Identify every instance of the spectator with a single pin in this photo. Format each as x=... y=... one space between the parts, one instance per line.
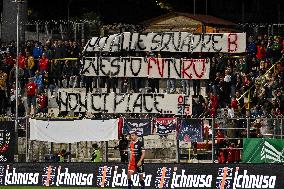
x=96 y=155
x=62 y=156
x=75 y=50
x=3 y=80
x=13 y=98
x=38 y=80
x=196 y=87
x=48 y=52
x=123 y=149
x=22 y=61
x=59 y=50
x=231 y=153
x=261 y=51
x=37 y=51
x=31 y=90
x=251 y=47
x=185 y=86
x=42 y=103
x=67 y=72
x=55 y=77
x=30 y=64
x=43 y=64
x=12 y=76
x=9 y=60
x=231 y=112
x=171 y=86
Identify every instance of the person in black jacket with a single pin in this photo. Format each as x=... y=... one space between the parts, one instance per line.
x=123 y=149
x=67 y=72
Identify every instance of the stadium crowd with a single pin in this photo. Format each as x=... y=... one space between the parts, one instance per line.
x=42 y=68
x=248 y=85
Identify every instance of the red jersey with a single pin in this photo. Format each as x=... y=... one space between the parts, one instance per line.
x=221 y=157
x=42 y=99
x=31 y=89
x=231 y=155
x=234 y=104
x=43 y=64
x=220 y=137
x=22 y=60
x=260 y=52
x=135 y=149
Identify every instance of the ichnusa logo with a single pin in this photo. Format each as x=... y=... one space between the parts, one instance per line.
x=169 y=178
x=163 y=177
x=104 y=176
x=228 y=179
x=57 y=176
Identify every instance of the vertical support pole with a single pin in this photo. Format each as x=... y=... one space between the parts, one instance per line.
x=75 y=31
x=189 y=147
x=206 y=7
x=243 y=12
x=194 y=4
x=17 y=80
x=69 y=149
x=106 y=151
x=281 y=127
x=213 y=140
x=51 y=148
x=27 y=139
x=83 y=31
x=177 y=154
x=274 y=122
x=37 y=31
x=61 y=31
x=46 y=30
x=248 y=126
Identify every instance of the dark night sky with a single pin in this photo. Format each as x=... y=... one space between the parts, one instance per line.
x=135 y=11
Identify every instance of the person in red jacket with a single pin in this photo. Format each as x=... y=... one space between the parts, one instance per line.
x=237 y=154
x=42 y=103
x=231 y=153
x=22 y=61
x=221 y=157
x=261 y=51
x=9 y=60
x=234 y=103
x=213 y=104
x=31 y=90
x=43 y=64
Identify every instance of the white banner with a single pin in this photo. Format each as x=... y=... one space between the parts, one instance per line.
x=146 y=67
x=73 y=131
x=169 y=42
x=76 y=100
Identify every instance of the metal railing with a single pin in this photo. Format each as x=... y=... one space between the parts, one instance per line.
x=228 y=130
